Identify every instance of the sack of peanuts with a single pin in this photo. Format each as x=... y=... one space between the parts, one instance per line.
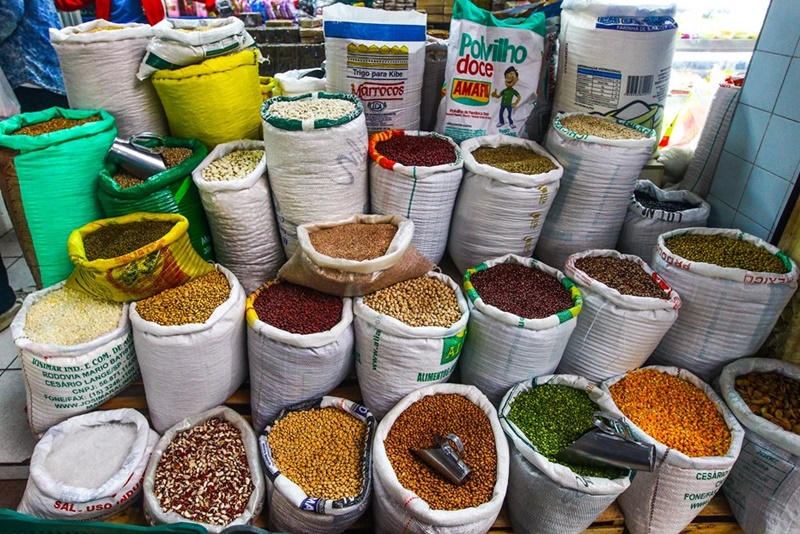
x=39 y=153
x=762 y=486
x=299 y=345
x=99 y=61
x=568 y=497
x=734 y=288
x=416 y=174
x=602 y=160
x=653 y=211
x=233 y=186
x=521 y=315
x=221 y=490
x=191 y=346
x=76 y=351
x=627 y=310
x=89 y=467
x=697 y=441
x=508 y=189
x=318 y=461
x=330 y=179
x=409 y=495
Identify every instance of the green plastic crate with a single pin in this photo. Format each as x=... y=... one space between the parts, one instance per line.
x=12 y=522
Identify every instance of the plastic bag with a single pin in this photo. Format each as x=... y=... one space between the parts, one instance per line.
x=9 y=105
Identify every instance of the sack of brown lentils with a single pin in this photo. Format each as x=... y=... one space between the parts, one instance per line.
x=734 y=287
x=508 y=188
x=627 y=310
x=191 y=346
x=318 y=461
x=233 y=186
x=521 y=315
x=197 y=474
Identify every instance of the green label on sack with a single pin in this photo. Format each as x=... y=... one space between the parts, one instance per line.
x=451 y=346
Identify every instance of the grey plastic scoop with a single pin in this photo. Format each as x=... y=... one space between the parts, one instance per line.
x=446 y=460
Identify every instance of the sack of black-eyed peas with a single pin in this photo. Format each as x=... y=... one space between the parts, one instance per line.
x=318 y=461
x=627 y=310
x=299 y=345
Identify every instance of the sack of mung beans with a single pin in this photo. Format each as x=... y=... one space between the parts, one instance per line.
x=697 y=441
x=318 y=462
x=328 y=177
x=299 y=345
x=191 y=346
x=653 y=211
x=627 y=309
x=417 y=175
x=602 y=159
x=89 y=467
x=734 y=287
x=409 y=497
x=568 y=497
x=764 y=482
x=205 y=470
x=234 y=189
x=99 y=61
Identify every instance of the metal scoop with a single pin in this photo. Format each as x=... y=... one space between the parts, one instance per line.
x=140 y=155
x=446 y=460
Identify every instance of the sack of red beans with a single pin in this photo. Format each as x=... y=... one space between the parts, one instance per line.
x=416 y=174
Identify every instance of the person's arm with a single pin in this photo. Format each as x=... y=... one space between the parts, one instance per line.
x=10 y=14
x=72 y=5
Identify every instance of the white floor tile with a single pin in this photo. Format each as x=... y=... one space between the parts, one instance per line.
x=16 y=439
x=7 y=349
x=9 y=246
x=19 y=276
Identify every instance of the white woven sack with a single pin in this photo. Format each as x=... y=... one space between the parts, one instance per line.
x=99 y=72
x=62 y=381
x=503 y=349
x=190 y=368
x=293 y=83
x=243 y=227
x=763 y=485
x=615 y=333
x=153 y=511
x=642 y=226
x=565 y=502
x=727 y=313
x=47 y=497
x=397 y=509
x=499 y=212
x=435 y=63
x=290 y=508
x=394 y=359
x=426 y=195
x=667 y=500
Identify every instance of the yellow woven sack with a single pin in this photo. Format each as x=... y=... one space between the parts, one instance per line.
x=169 y=262
x=217 y=101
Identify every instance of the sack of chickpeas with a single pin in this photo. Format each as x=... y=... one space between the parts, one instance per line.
x=408 y=335
x=318 y=461
x=734 y=288
x=416 y=174
x=233 y=186
x=627 y=309
x=409 y=495
x=697 y=441
x=763 y=485
x=191 y=345
x=299 y=345
x=521 y=315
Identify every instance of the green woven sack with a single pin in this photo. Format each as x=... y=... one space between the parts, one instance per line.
x=171 y=191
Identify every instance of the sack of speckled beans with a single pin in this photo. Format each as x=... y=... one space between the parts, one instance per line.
x=627 y=310
x=522 y=313
x=734 y=288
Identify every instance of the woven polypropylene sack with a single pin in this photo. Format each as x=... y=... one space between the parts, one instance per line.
x=435 y=63
x=539 y=120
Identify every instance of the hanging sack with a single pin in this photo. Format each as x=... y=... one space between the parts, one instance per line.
x=329 y=180
x=499 y=212
x=616 y=333
x=425 y=195
x=727 y=313
x=502 y=348
x=33 y=167
x=241 y=218
x=600 y=175
x=192 y=367
x=111 y=478
x=99 y=62
x=565 y=502
x=763 y=484
x=435 y=63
